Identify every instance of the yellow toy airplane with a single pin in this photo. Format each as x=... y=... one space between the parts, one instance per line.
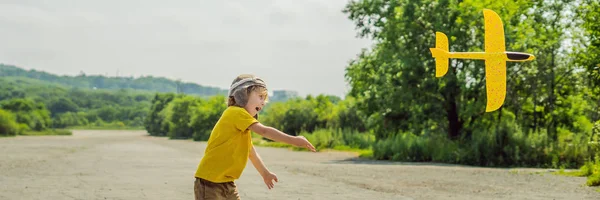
x=495 y=57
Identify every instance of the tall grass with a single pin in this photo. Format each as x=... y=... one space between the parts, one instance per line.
x=506 y=146
x=48 y=132
x=332 y=139
x=410 y=147
x=340 y=139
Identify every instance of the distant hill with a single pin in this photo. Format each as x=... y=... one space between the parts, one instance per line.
x=147 y=83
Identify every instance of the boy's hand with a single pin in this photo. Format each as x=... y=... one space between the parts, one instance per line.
x=301 y=141
x=268 y=178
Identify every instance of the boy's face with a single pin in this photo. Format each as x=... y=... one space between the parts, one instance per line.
x=256 y=101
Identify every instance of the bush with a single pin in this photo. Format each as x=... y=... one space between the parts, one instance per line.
x=503 y=144
x=23 y=128
x=68 y=119
x=410 y=147
x=49 y=132
x=588 y=169
x=591 y=169
x=594 y=180
x=26 y=111
x=338 y=138
x=8 y=125
x=312 y=113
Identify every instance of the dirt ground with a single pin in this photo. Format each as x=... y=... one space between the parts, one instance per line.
x=131 y=165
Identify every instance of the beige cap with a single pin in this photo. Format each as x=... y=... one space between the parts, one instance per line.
x=237 y=90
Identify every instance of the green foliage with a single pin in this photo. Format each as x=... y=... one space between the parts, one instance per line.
x=34 y=115
x=205 y=116
x=178 y=115
x=505 y=144
x=327 y=139
x=70 y=119
x=147 y=84
x=348 y=116
x=101 y=102
x=332 y=138
x=410 y=147
x=394 y=81
x=593 y=180
x=306 y=115
x=589 y=13
x=591 y=169
x=8 y=125
x=49 y=132
x=183 y=117
x=63 y=107
x=154 y=122
x=547 y=116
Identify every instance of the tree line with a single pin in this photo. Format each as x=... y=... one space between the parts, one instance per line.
x=28 y=104
x=31 y=105
x=34 y=100
x=144 y=83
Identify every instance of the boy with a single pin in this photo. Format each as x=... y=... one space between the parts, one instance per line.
x=230 y=144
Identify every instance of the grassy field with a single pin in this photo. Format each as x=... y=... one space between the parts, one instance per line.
x=106 y=127
x=48 y=132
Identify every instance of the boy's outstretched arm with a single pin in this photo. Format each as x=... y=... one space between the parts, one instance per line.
x=276 y=135
x=268 y=177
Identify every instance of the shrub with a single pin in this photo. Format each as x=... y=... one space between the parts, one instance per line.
x=8 y=125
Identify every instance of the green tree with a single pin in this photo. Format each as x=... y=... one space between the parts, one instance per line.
x=347 y=116
x=206 y=115
x=588 y=51
x=64 y=120
x=178 y=115
x=154 y=121
x=394 y=83
x=62 y=105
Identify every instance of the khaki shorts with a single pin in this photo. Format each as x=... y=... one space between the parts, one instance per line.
x=206 y=190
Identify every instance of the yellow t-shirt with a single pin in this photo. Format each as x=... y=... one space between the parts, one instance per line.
x=228 y=147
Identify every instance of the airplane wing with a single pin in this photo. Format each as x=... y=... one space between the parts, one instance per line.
x=495 y=82
x=494 y=32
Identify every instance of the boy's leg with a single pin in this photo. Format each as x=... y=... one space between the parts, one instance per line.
x=206 y=190
x=198 y=190
x=232 y=193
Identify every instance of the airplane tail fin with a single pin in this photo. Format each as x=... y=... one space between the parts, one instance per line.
x=440 y=53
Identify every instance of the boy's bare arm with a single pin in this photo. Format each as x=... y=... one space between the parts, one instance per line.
x=276 y=135
x=268 y=177
x=257 y=162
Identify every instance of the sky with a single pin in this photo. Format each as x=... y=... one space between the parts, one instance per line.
x=208 y=42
